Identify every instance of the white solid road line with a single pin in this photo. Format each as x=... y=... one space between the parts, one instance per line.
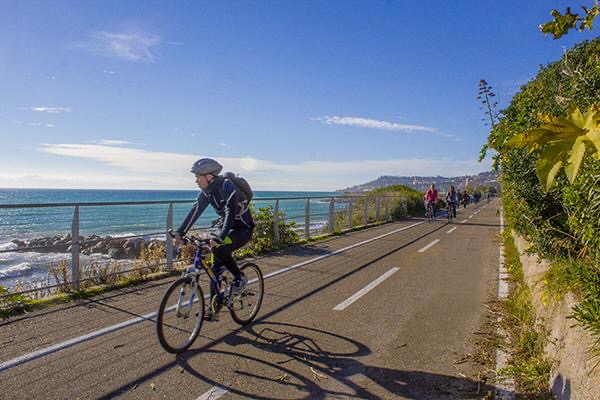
x=214 y=393
x=101 y=332
x=452 y=230
x=503 y=388
x=424 y=249
x=364 y=290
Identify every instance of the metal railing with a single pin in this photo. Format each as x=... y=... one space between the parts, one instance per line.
x=339 y=208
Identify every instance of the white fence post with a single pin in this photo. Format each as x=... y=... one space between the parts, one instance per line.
x=350 y=212
x=307 y=219
x=387 y=209
x=377 y=208
x=276 y=222
x=331 y=208
x=366 y=211
x=168 y=241
x=75 y=249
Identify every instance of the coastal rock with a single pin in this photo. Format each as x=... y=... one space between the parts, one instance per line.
x=115 y=248
x=117 y=253
x=20 y=244
x=132 y=252
x=115 y=244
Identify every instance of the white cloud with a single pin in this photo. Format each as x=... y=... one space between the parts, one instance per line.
x=108 y=142
x=224 y=145
x=50 y=125
x=149 y=169
x=50 y=110
x=35 y=124
x=129 y=45
x=371 y=123
x=175 y=43
x=109 y=72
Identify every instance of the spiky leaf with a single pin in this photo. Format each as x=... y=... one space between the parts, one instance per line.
x=549 y=163
x=575 y=157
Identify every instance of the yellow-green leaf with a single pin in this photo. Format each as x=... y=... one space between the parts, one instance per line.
x=594 y=136
x=552 y=174
x=575 y=156
x=530 y=138
x=550 y=162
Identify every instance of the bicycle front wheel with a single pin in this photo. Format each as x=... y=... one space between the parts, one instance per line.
x=180 y=315
x=244 y=306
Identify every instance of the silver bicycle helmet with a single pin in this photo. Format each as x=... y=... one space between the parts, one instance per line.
x=206 y=166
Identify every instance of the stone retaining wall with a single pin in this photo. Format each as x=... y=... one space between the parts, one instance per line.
x=572 y=377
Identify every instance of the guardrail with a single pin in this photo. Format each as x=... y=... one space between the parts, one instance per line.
x=374 y=209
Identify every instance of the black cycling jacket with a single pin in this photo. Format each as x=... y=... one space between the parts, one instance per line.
x=228 y=202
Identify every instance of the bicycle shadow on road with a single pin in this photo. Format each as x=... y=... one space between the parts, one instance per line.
x=208 y=348
x=293 y=361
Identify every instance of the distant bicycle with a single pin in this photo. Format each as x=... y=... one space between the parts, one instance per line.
x=182 y=310
x=430 y=211
x=450 y=211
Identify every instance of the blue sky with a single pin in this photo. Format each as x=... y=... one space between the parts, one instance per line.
x=293 y=95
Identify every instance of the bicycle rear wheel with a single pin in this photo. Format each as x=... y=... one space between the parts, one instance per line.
x=245 y=306
x=180 y=315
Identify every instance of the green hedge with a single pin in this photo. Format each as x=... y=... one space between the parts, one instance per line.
x=562 y=224
x=565 y=221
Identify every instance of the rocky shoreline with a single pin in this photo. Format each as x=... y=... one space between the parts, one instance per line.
x=114 y=248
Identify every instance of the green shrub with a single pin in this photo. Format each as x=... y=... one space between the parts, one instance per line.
x=264 y=233
x=563 y=223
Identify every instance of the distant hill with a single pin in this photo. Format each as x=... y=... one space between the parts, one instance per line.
x=421 y=183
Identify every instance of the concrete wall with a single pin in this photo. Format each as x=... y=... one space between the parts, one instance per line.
x=572 y=376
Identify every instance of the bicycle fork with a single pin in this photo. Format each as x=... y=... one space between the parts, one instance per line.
x=186 y=307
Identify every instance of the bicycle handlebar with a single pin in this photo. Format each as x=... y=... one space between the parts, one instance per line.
x=196 y=240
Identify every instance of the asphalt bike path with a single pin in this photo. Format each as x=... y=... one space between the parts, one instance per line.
x=292 y=349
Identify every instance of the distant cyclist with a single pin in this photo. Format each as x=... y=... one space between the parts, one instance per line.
x=465 y=199
x=431 y=198
x=452 y=199
x=238 y=225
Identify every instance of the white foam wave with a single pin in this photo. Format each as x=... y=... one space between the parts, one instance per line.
x=15 y=271
x=7 y=246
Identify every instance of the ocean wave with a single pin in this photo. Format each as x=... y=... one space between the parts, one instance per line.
x=16 y=271
x=7 y=246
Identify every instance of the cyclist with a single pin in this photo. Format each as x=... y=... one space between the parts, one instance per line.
x=452 y=199
x=431 y=198
x=465 y=199
x=230 y=203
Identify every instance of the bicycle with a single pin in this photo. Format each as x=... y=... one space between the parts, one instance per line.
x=181 y=312
x=430 y=212
x=450 y=211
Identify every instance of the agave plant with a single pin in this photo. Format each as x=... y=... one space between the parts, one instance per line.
x=562 y=142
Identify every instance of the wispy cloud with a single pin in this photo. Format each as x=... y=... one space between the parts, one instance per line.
x=109 y=142
x=135 y=45
x=35 y=124
x=175 y=43
x=224 y=145
x=371 y=123
x=49 y=110
x=108 y=72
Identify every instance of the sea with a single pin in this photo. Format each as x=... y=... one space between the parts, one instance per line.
x=147 y=220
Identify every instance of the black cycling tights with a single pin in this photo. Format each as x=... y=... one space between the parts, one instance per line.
x=223 y=254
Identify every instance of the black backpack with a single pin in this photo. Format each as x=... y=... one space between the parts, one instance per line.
x=242 y=185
